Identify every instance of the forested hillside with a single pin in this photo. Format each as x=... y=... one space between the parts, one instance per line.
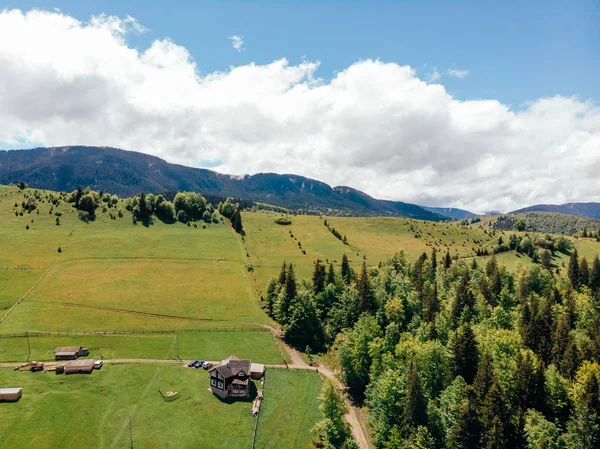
x=456 y=355
x=547 y=223
x=127 y=173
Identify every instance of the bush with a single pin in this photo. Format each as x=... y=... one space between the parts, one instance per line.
x=284 y=221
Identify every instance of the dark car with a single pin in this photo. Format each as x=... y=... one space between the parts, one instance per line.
x=198 y=363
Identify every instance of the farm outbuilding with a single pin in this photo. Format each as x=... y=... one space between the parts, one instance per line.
x=10 y=394
x=257 y=370
x=70 y=352
x=79 y=366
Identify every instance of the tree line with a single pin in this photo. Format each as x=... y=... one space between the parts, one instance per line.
x=456 y=355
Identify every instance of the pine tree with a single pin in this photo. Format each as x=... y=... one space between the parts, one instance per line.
x=331 y=275
x=447 y=260
x=466 y=433
x=573 y=272
x=346 y=272
x=319 y=277
x=495 y=419
x=484 y=378
x=464 y=300
x=282 y=274
x=365 y=291
x=414 y=413
x=432 y=304
x=595 y=277
x=584 y=272
x=290 y=283
x=464 y=349
x=433 y=265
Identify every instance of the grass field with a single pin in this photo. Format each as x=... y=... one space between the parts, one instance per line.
x=88 y=411
x=290 y=409
x=255 y=345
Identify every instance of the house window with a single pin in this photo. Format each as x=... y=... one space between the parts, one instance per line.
x=220 y=385
x=213 y=382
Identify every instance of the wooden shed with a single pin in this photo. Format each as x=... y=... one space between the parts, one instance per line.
x=70 y=352
x=79 y=366
x=10 y=394
x=257 y=370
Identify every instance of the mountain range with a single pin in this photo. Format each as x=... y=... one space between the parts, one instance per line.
x=591 y=210
x=127 y=173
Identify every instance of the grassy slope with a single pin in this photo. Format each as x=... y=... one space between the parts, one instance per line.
x=87 y=411
x=289 y=411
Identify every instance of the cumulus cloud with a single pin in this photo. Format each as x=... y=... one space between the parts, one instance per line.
x=237 y=42
x=375 y=126
x=457 y=73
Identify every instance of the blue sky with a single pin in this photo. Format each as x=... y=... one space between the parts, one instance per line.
x=388 y=113
x=514 y=51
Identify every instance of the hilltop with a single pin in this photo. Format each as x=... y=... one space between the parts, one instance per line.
x=127 y=173
x=591 y=210
x=546 y=223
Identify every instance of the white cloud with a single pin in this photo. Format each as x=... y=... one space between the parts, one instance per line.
x=434 y=76
x=374 y=126
x=237 y=42
x=457 y=73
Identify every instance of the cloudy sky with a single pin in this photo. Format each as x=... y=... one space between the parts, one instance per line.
x=484 y=110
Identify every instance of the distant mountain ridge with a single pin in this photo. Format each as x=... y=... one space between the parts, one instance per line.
x=591 y=210
x=451 y=212
x=127 y=173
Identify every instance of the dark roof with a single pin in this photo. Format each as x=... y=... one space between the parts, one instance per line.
x=68 y=349
x=234 y=367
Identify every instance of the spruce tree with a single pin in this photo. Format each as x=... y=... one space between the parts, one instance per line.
x=319 y=277
x=595 y=277
x=464 y=300
x=433 y=265
x=484 y=378
x=466 y=433
x=346 y=272
x=282 y=274
x=573 y=272
x=464 y=350
x=447 y=260
x=584 y=272
x=366 y=297
x=331 y=275
x=414 y=413
x=290 y=283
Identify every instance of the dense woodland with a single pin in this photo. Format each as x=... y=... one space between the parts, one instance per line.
x=452 y=354
x=548 y=222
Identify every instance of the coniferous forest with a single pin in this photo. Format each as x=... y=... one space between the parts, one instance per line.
x=453 y=354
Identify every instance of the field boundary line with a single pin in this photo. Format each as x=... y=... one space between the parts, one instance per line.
x=135 y=407
x=34 y=333
x=20 y=300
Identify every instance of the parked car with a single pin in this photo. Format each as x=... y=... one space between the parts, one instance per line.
x=98 y=364
x=207 y=365
x=198 y=363
x=191 y=363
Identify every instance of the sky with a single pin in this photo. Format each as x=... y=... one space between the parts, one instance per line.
x=486 y=107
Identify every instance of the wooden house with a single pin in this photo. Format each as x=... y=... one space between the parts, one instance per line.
x=231 y=379
x=79 y=366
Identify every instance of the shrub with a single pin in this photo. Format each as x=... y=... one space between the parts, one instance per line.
x=283 y=221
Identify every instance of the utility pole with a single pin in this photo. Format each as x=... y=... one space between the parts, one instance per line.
x=177 y=347
x=28 y=346
x=130 y=433
x=101 y=347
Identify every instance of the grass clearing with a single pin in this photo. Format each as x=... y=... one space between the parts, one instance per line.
x=290 y=409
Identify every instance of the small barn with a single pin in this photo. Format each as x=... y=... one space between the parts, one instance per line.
x=10 y=394
x=70 y=352
x=231 y=379
x=79 y=366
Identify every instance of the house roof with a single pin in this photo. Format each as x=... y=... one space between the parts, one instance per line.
x=10 y=390
x=234 y=367
x=84 y=364
x=68 y=349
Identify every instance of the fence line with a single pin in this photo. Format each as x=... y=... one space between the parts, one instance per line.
x=258 y=414
x=20 y=300
x=133 y=332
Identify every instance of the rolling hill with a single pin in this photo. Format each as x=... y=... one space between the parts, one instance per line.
x=591 y=210
x=451 y=212
x=127 y=173
x=547 y=222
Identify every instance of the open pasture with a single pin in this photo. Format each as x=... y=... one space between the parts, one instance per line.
x=214 y=345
